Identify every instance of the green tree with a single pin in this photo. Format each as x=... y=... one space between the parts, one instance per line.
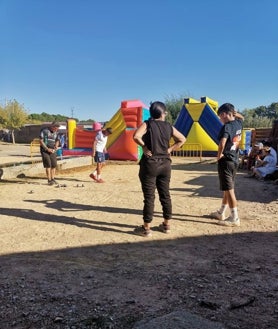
x=273 y=111
x=3 y=117
x=13 y=116
x=174 y=105
x=260 y=111
x=45 y=117
x=261 y=116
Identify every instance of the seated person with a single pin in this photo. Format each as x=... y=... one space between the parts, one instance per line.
x=265 y=166
x=255 y=154
x=272 y=150
x=243 y=157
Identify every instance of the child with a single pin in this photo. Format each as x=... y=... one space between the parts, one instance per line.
x=99 y=150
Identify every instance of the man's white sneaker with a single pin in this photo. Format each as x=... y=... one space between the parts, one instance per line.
x=230 y=222
x=217 y=215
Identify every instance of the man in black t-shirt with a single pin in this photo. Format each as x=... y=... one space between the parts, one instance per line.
x=49 y=142
x=228 y=160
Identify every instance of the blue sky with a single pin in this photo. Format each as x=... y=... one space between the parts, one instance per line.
x=83 y=57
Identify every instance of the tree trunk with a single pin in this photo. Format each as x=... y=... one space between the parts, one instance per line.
x=12 y=133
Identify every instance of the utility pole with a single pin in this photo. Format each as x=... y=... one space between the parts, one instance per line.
x=72 y=111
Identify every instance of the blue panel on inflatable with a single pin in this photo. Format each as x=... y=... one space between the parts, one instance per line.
x=210 y=123
x=146 y=114
x=248 y=138
x=184 y=122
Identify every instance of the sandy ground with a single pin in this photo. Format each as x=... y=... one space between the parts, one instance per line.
x=69 y=257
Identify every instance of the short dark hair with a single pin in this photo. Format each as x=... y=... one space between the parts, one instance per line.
x=109 y=130
x=226 y=108
x=55 y=124
x=267 y=144
x=157 y=109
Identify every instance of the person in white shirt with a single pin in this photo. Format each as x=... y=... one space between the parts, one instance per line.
x=265 y=166
x=99 y=150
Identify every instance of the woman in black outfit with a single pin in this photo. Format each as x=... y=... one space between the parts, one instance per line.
x=154 y=136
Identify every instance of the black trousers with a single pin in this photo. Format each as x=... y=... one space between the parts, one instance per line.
x=155 y=174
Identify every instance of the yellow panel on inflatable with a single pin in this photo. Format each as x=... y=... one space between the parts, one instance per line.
x=246 y=138
x=71 y=123
x=117 y=123
x=198 y=135
x=195 y=110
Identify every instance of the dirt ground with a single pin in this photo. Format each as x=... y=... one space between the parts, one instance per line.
x=69 y=257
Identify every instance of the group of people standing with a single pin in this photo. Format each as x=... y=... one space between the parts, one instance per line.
x=154 y=136
x=50 y=143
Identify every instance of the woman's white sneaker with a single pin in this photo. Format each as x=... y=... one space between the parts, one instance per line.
x=217 y=215
x=230 y=222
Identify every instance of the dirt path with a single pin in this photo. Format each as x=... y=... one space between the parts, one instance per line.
x=69 y=258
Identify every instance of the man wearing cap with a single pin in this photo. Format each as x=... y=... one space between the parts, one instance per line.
x=49 y=143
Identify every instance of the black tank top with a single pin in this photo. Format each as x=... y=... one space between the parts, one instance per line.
x=157 y=137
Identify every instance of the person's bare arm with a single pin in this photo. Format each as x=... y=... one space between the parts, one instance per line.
x=57 y=144
x=137 y=137
x=261 y=163
x=179 y=139
x=139 y=133
x=238 y=115
x=94 y=147
x=44 y=146
x=221 y=147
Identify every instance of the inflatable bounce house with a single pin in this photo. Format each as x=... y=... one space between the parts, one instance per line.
x=199 y=122
x=79 y=141
x=120 y=144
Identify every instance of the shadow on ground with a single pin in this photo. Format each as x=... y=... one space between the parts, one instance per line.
x=207 y=185
x=231 y=279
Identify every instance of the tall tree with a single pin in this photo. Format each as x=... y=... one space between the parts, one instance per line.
x=273 y=111
x=174 y=105
x=14 y=117
x=3 y=117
